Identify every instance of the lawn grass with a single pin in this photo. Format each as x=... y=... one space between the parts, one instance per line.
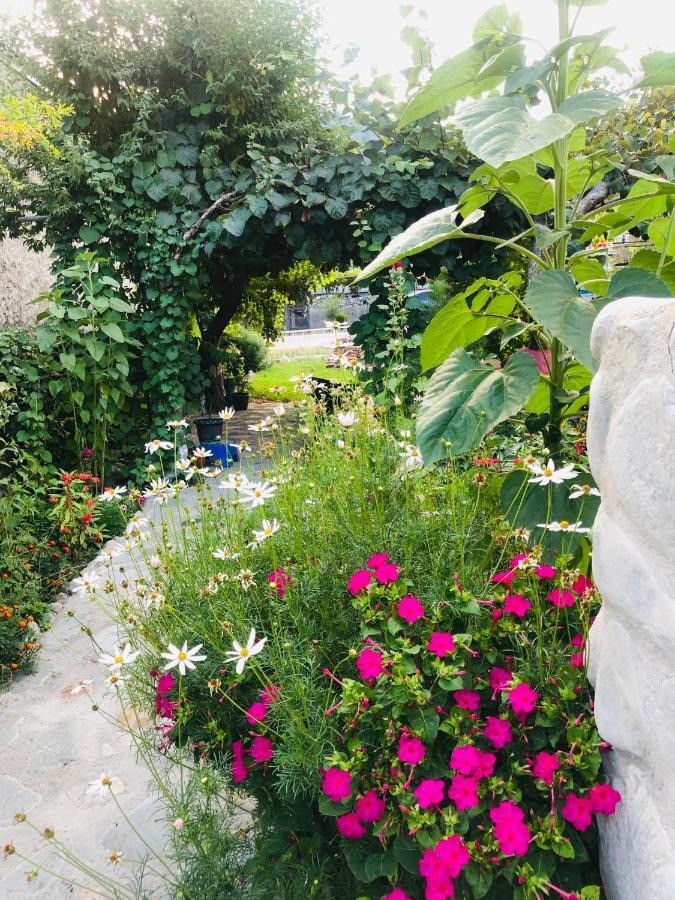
x=278 y=374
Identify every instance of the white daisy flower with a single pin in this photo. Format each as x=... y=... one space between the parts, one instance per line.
x=81 y=686
x=183 y=658
x=100 y=788
x=136 y=524
x=85 y=583
x=201 y=453
x=259 y=427
x=279 y=411
x=346 y=419
x=226 y=554
x=240 y=655
x=157 y=445
x=565 y=526
x=244 y=447
x=160 y=489
x=584 y=490
x=267 y=530
x=153 y=601
x=176 y=424
x=226 y=414
x=111 y=493
x=255 y=494
x=119 y=658
x=186 y=468
x=113 y=682
x=548 y=474
x=412 y=457
x=235 y=481
x=109 y=553
x=246 y=579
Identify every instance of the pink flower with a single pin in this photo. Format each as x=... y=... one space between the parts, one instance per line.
x=279 y=580
x=452 y=853
x=499 y=679
x=577 y=660
x=440 y=643
x=463 y=791
x=165 y=707
x=498 y=732
x=396 y=894
x=523 y=700
x=166 y=683
x=543 y=571
x=256 y=712
x=270 y=693
x=604 y=799
x=504 y=577
x=410 y=609
x=559 y=597
x=337 y=784
x=515 y=560
x=511 y=832
x=545 y=766
x=350 y=827
x=261 y=749
x=469 y=760
x=386 y=573
x=517 y=605
x=467 y=699
x=358 y=581
x=577 y=811
x=578 y=641
x=582 y=584
x=369 y=664
x=411 y=750
x=370 y=807
x=377 y=559
x=429 y=792
x=239 y=770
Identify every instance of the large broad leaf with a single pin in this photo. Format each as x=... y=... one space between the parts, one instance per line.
x=496 y=20
x=426 y=232
x=662 y=235
x=464 y=400
x=650 y=260
x=659 y=69
x=499 y=129
x=590 y=274
x=457 y=326
x=554 y=302
x=634 y=282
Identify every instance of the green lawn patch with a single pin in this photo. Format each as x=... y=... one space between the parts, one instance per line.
x=274 y=382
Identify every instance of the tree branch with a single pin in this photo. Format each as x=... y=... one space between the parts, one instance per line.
x=223 y=202
x=593 y=198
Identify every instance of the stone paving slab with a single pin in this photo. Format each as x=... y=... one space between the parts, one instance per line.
x=54 y=744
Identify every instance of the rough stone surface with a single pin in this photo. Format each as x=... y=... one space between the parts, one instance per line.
x=631 y=443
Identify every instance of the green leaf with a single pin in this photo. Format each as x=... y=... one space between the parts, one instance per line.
x=499 y=129
x=454 y=326
x=545 y=237
x=426 y=232
x=662 y=234
x=236 y=221
x=157 y=190
x=407 y=853
x=95 y=348
x=380 y=865
x=186 y=155
x=590 y=274
x=120 y=305
x=496 y=21
x=634 y=282
x=165 y=219
x=649 y=259
x=336 y=207
x=667 y=164
x=478 y=879
x=554 y=302
x=89 y=235
x=113 y=331
x=328 y=807
x=68 y=361
x=257 y=205
x=464 y=400
x=426 y=721
x=659 y=69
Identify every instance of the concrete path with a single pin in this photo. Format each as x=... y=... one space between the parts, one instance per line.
x=52 y=745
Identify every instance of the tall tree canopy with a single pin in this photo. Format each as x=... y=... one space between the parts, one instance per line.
x=206 y=148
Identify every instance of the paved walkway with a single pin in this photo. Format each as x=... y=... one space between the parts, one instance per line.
x=52 y=744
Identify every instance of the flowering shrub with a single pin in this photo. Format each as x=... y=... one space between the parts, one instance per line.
x=469 y=758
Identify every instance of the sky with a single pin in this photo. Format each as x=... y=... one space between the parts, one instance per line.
x=374 y=26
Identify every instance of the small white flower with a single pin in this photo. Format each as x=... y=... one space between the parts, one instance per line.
x=186 y=467
x=80 y=686
x=259 y=426
x=109 y=553
x=340 y=444
x=114 y=682
x=153 y=601
x=564 y=525
x=240 y=655
x=405 y=433
x=412 y=457
x=157 y=445
x=346 y=419
x=111 y=493
x=397 y=401
x=183 y=658
x=101 y=787
x=255 y=494
x=279 y=410
x=160 y=489
x=155 y=562
x=267 y=530
x=136 y=524
x=226 y=554
x=548 y=474
x=176 y=424
x=201 y=453
x=235 y=481
x=584 y=490
x=85 y=583
x=246 y=579
x=226 y=414
x=119 y=658
x=305 y=430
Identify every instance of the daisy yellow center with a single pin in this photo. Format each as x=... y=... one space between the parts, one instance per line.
x=548 y=472
x=586 y=488
x=268 y=531
x=182 y=655
x=105 y=780
x=243 y=651
x=119 y=659
x=114 y=679
x=564 y=524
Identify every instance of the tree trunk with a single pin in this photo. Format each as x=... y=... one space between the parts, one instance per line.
x=212 y=370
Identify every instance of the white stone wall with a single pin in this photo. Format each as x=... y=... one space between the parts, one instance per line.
x=23 y=275
x=631 y=443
